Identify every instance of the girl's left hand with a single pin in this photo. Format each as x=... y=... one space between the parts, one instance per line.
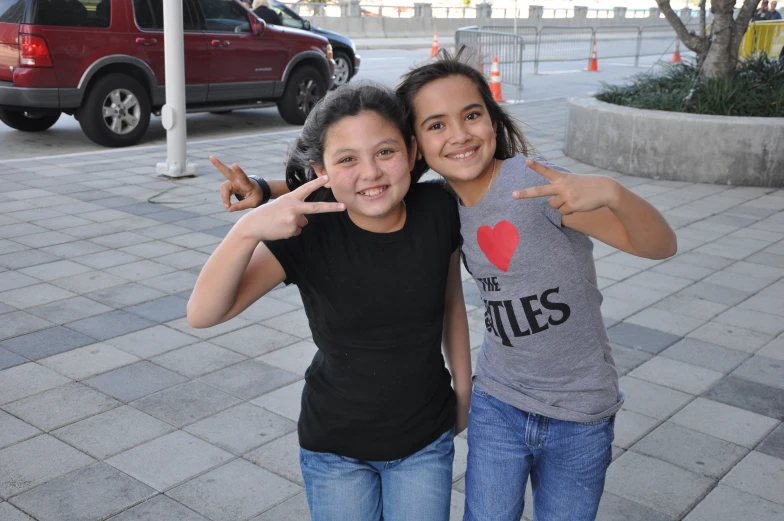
x=571 y=192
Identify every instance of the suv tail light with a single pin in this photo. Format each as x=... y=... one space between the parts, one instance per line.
x=33 y=51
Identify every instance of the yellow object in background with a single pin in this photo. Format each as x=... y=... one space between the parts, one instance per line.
x=767 y=37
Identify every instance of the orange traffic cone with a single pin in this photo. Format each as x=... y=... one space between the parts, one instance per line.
x=593 y=62
x=676 y=56
x=434 y=47
x=495 y=81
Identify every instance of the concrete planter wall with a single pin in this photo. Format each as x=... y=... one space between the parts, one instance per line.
x=674 y=146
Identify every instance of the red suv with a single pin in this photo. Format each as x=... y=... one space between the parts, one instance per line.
x=103 y=61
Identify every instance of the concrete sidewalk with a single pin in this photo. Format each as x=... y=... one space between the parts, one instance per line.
x=111 y=407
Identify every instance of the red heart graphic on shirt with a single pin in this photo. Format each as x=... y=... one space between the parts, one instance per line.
x=499 y=243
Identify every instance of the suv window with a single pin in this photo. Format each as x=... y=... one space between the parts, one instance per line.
x=73 y=13
x=12 y=11
x=149 y=15
x=287 y=16
x=225 y=16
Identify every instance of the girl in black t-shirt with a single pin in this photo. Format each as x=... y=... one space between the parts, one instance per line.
x=376 y=259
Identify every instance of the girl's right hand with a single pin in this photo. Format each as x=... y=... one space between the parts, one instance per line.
x=285 y=217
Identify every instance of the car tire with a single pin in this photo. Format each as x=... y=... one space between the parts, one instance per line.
x=343 y=69
x=116 y=111
x=305 y=87
x=28 y=121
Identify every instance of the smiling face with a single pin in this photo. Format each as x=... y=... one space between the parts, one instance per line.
x=454 y=131
x=369 y=170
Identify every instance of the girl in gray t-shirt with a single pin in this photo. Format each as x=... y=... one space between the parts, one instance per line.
x=546 y=389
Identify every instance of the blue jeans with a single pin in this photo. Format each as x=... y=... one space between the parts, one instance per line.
x=417 y=487
x=566 y=461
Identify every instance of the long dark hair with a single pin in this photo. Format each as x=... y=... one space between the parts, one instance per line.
x=510 y=140
x=347 y=100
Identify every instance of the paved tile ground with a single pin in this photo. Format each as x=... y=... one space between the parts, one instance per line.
x=111 y=407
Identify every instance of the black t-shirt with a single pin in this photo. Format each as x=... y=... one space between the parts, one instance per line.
x=378 y=388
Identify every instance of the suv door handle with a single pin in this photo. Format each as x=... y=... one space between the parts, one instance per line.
x=216 y=43
x=146 y=41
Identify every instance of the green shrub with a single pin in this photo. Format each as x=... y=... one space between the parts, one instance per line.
x=755 y=89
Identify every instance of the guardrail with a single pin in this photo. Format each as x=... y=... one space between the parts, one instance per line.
x=560 y=43
x=508 y=48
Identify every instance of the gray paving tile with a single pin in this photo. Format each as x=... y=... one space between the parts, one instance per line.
x=765 y=371
x=716 y=293
x=759 y=474
x=242 y=428
x=153 y=341
x=120 y=240
x=730 y=504
x=172 y=282
x=616 y=508
x=733 y=337
x=281 y=457
x=656 y=484
x=725 y=422
x=748 y=395
x=26 y=379
x=14 y=430
x=294 y=509
x=54 y=270
x=74 y=249
x=220 y=231
x=198 y=359
x=23 y=259
x=691 y=450
x=249 y=379
x=125 y=295
x=110 y=325
x=12 y=280
x=140 y=270
x=18 y=323
x=255 y=340
x=60 y=406
x=34 y=295
x=172 y=216
x=630 y=427
x=159 y=508
x=47 y=342
x=153 y=249
x=677 y=375
x=69 y=310
x=285 y=401
x=9 y=512
x=135 y=381
x=112 y=432
x=164 y=309
x=89 y=494
x=703 y=354
x=652 y=400
x=237 y=490
x=106 y=259
x=35 y=461
x=642 y=338
x=169 y=460
x=90 y=281
x=184 y=404
x=209 y=332
x=773 y=444
x=41 y=240
x=9 y=359
x=294 y=323
x=295 y=358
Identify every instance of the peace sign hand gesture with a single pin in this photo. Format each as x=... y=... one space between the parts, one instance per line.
x=570 y=193
x=237 y=182
x=285 y=217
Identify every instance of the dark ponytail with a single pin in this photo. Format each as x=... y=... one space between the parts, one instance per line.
x=348 y=100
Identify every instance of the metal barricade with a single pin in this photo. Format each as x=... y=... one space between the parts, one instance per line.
x=618 y=41
x=488 y=45
x=559 y=44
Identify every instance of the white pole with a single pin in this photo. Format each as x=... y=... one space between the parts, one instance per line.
x=515 y=17
x=173 y=112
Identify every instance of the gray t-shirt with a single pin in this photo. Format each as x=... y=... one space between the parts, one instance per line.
x=545 y=349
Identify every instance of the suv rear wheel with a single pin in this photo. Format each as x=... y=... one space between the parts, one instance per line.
x=116 y=112
x=342 y=69
x=28 y=121
x=303 y=90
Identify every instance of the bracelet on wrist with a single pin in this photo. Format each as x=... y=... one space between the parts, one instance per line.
x=266 y=193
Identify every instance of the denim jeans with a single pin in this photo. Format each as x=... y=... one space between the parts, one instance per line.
x=566 y=461
x=415 y=488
